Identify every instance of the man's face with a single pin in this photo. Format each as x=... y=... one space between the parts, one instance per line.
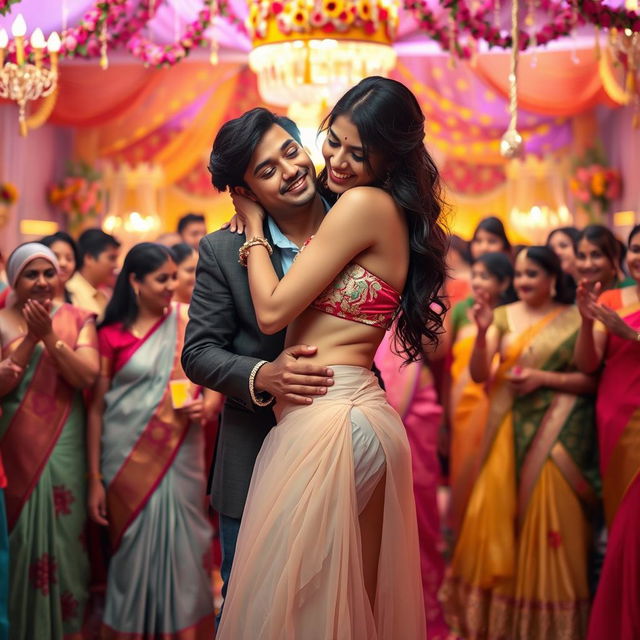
x=193 y=233
x=103 y=268
x=280 y=175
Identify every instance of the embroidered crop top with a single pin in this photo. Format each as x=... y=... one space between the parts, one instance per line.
x=357 y=294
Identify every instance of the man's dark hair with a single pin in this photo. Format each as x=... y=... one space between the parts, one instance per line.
x=187 y=219
x=236 y=141
x=93 y=242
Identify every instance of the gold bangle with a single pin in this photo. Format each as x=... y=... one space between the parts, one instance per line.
x=93 y=476
x=243 y=252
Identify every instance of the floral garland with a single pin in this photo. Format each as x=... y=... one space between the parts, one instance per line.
x=167 y=55
x=479 y=27
x=5 y=6
x=330 y=16
x=606 y=17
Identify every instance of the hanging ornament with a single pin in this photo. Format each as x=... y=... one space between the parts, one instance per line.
x=511 y=145
x=104 y=60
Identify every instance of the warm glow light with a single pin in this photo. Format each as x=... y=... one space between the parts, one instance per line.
x=53 y=43
x=37 y=39
x=131 y=223
x=539 y=220
x=19 y=27
x=4 y=39
x=37 y=227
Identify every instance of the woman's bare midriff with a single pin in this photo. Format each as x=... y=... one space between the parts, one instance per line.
x=339 y=341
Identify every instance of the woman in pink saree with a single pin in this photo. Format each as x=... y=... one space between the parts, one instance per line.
x=610 y=336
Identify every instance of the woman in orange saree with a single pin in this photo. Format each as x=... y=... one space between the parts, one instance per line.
x=146 y=444
x=514 y=574
x=468 y=404
x=54 y=352
x=610 y=334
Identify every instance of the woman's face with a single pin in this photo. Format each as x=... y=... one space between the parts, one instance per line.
x=39 y=281
x=186 y=278
x=562 y=245
x=66 y=260
x=633 y=257
x=155 y=292
x=344 y=159
x=483 y=281
x=485 y=242
x=593 y=265
x=531 y=282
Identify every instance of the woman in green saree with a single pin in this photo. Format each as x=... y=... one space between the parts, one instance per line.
x=42 y=445
x=519 y=568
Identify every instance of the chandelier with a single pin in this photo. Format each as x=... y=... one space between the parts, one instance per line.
x=312 y=51
x=24 y=81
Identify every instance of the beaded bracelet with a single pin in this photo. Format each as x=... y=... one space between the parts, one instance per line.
x=252 y=389
x=243 y=252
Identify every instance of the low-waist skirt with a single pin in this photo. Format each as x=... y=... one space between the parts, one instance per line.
x=297 y=572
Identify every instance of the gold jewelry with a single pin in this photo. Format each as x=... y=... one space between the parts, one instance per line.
x=243 y=252
x=252 y=390
x=93 y=476
x=60 y=345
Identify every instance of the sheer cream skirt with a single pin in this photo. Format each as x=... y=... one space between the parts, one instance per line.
x=297 y=572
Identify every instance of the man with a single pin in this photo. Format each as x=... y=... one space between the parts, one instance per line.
x=260 y=156
x=97 y=262
x=191 y=229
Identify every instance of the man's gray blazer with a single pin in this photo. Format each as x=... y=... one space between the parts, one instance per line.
x=222 y=345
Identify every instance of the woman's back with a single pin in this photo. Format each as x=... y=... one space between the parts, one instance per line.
x=348 y=319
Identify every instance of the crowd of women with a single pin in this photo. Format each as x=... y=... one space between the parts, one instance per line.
x=544 y=416
x=540 y=394
x=84 y=409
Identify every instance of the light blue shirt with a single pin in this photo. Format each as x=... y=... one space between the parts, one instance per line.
x=288 y=250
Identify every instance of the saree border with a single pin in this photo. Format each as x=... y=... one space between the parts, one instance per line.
x=158 y=444
x=33 y=430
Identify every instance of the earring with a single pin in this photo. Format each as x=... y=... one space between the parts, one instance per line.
x=554 y=291
x=386 y=183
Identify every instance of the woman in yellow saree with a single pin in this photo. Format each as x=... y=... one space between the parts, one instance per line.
x=519 y=568
x=614 y=339
x=468 y=405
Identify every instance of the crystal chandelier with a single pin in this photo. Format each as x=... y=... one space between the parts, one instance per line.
x=312 y=51
x=24 y=81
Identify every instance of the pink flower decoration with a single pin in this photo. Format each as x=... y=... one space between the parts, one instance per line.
x=69 y=606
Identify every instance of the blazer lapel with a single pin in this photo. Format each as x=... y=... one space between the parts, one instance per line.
x=276 y=259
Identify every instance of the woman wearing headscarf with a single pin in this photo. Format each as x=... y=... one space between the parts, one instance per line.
x=53 y=348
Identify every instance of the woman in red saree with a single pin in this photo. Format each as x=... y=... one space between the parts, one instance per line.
x=610 y=335
x=54 y=351
x=146 y=444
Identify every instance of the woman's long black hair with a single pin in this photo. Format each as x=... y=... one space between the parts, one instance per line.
x=142 y=259
x=391 y=123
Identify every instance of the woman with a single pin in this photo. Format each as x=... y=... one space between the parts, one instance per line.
x=65 y=250
x=489 y=236
x=599 y=257
x=468 y=406
x=186 y=259
x=610 y=335
x=328 y=544
x=519 y=568
x=54 y=350
x=145 y=444
x=562 y=241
